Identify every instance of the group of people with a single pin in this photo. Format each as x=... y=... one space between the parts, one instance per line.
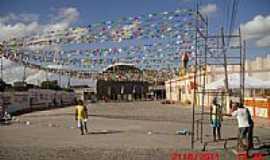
x=244 y=119
x=242 y=114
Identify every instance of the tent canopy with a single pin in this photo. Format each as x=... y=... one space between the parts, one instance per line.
x=234 y=83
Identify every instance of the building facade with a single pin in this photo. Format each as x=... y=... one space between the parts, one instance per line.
x=180 y=89
x=121 y=82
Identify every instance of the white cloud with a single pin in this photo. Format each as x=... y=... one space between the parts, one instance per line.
x=258 y=29
x=69 y=15
x=24 y=18
x=18 y=30
x=264 y=42
x=19 y=25
x=64 y=19
x=208 y=9
x=26 y=24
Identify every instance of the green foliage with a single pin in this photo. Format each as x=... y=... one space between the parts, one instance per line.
x=50 y=85
x=2 y=85
x=68 y=90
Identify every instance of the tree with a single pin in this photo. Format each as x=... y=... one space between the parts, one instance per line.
x=50 y=85
x=2 y=85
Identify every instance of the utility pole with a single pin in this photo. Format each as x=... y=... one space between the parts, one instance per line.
x=2 y=67
x=24 y=72
x=244 y=68
x=225 y=61
x=242 y=75
x=204 y=71
x=46 y=69
x=170 y=87
x=194 y=79
x=59 y=78
x=2 y=50
x=68 y=84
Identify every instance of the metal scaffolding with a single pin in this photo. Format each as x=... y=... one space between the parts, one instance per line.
x=212 y=51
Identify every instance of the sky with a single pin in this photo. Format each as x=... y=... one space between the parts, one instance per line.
x=22 y=17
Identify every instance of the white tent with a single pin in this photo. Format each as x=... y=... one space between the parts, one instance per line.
x=234 y=83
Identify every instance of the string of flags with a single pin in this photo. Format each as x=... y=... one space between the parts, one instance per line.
x=152 y=56
x=156 y=25
x=168 y=34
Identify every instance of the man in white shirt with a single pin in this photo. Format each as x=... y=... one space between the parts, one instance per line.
x=241 y=113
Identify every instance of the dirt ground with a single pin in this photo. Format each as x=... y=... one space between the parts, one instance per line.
x=118 y=131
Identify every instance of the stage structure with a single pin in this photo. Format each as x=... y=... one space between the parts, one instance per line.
x=227 y=50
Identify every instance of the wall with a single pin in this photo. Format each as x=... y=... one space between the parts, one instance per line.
x=35 y=99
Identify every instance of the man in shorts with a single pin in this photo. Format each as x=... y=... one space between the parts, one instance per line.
x=216 y=118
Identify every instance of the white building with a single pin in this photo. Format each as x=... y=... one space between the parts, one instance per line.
x=181 y=88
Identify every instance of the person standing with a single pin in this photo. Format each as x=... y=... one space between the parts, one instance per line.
x=216 y=118
x=242 y=115
x=185 y=59
x=81 y=116
x=250 y=130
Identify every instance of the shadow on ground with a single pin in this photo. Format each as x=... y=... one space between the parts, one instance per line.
x=105 y=132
